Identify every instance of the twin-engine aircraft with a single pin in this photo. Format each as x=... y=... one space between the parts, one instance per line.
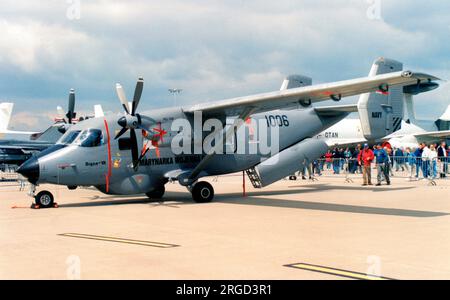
x=268 y=135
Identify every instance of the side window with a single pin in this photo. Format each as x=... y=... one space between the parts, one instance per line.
x=124 y=143
x=69 y=137
x=90 y=138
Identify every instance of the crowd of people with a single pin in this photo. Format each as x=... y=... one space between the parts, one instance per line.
x=423 y=161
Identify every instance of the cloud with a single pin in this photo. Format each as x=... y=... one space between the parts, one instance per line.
x=211 y=49
x=26 y=120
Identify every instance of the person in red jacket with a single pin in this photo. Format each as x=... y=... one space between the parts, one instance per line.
x=365 y=159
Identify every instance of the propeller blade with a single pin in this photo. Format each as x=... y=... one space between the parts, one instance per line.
x=134 y=148
x=137 y=95
x=141 y=157
x=71 y=109
x=122 y=97
x=121 y=132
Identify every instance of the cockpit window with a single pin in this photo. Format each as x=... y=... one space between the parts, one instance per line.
x=90 y=138
x=69 y=137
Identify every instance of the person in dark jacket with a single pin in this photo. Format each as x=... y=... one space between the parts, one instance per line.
x=383 y=164
x=418 y=159
x=336 y=161
x=399 y=160
x=443 y=158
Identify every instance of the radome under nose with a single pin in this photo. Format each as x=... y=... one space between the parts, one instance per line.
x=30 y=170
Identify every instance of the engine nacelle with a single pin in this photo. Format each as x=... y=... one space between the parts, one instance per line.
x=290 y=160
x=419 y=88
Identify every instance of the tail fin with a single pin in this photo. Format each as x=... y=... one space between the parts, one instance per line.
x=443 y=123
x=98 y=111
x=381 y=112
x=295 y=81
x=5 y=115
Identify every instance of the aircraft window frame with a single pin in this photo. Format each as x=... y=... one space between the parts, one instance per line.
x=84 y=139
x=73 y=134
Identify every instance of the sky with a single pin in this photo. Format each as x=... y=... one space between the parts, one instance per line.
x=211 y=49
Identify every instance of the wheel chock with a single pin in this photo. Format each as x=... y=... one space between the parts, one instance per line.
x=35 y=206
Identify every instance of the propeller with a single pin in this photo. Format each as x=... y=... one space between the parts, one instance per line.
x=131 y=121
x=70 y=115
x=71 y=109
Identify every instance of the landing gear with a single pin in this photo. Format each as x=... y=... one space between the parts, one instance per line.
x=202 y=192
x=44 y=199
x=157 y=193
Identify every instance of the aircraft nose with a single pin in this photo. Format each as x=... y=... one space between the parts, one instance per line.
x=30 y=170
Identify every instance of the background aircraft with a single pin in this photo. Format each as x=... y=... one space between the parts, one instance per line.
x=106 y=152
x=5 y=117
x=415 y=131
x=14 y=152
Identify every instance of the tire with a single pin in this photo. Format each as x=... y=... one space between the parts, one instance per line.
x=202 y=192
x=157 y=193
x=44 y=199
x=292 y=177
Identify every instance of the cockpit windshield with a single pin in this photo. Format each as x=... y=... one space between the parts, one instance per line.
x=69 y=137
x=90 y=138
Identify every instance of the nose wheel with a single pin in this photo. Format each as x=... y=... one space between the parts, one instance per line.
x=44 y=199
x=202 y=192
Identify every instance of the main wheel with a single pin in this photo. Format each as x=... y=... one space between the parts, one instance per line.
x=157 y=193
x=202 y=192
x=44 y=199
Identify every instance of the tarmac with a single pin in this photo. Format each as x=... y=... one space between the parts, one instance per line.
x=324 y=229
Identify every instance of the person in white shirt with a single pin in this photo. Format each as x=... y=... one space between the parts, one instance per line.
x=433 y=155
x=425 y=160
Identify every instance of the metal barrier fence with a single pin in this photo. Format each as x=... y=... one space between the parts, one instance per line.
x=408 y=167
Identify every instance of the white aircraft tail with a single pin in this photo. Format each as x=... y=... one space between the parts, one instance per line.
x=98 y=111
x=443 y=123
x=446 y=115
x=381 y=112
x=5 y=115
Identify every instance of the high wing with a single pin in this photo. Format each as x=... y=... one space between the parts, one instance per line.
x=321 y=92
x=18 y=132
x=336 y=110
